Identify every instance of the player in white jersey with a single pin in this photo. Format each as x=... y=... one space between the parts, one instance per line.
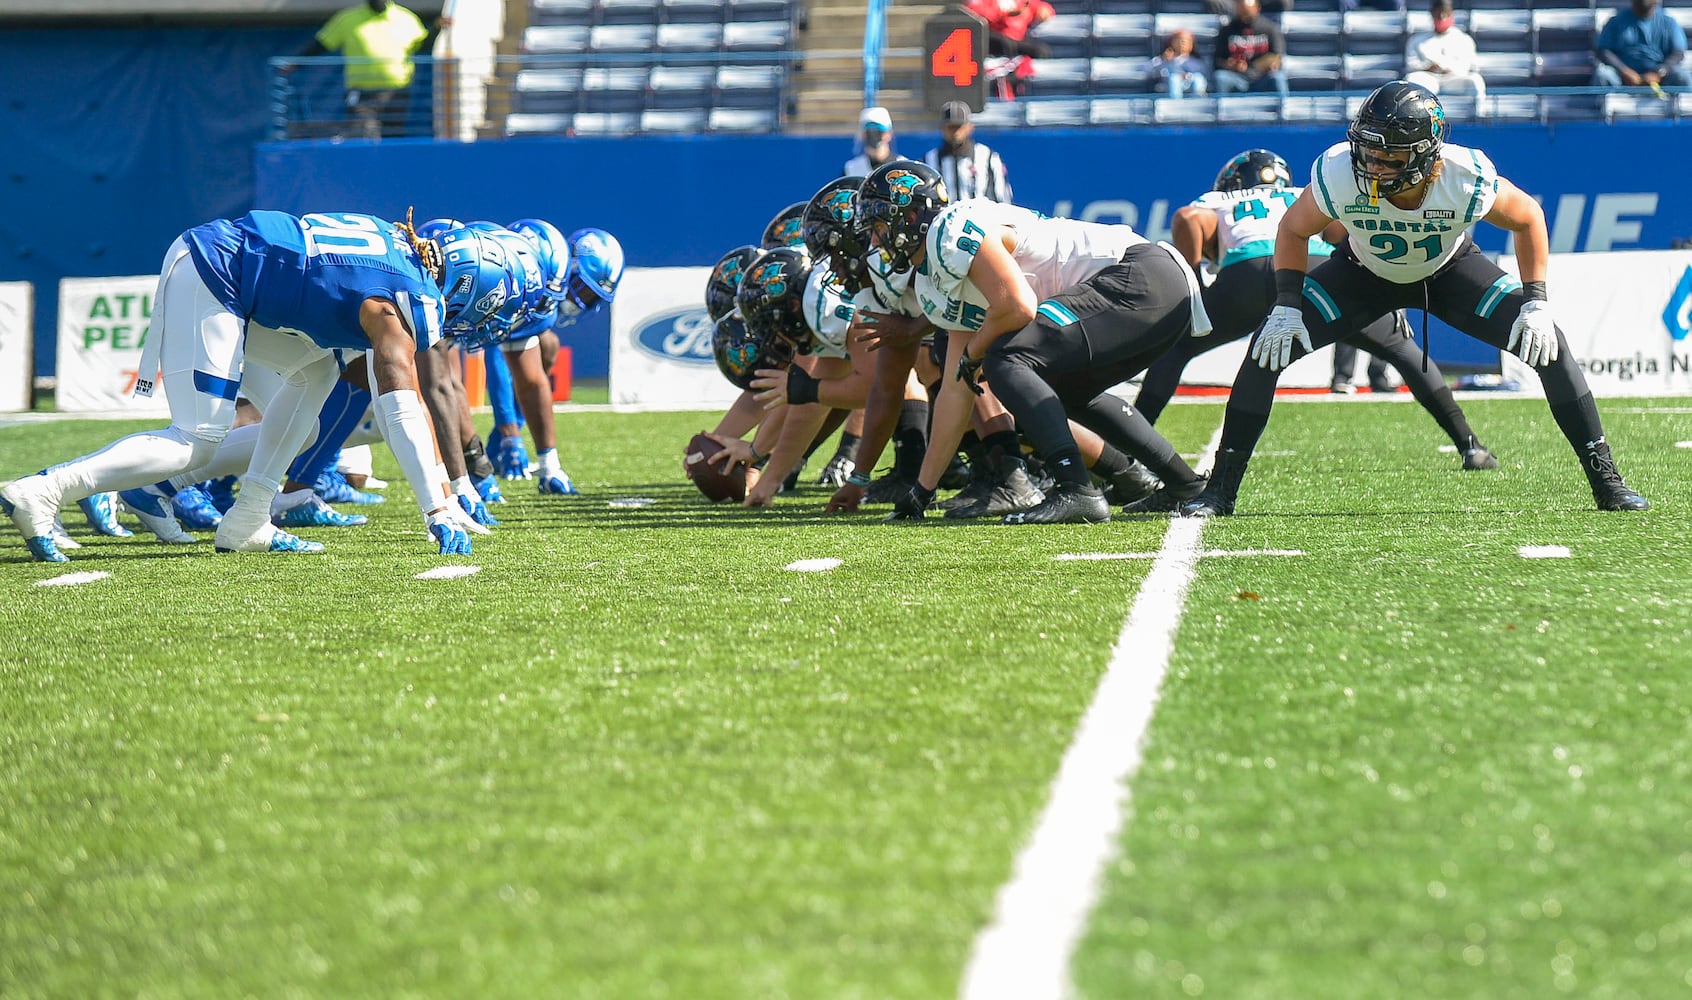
x=1055 y=311
x=1408 y=201
x=1233 y=226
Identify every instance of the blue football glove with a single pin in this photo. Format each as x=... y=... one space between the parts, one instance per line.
x=488 y=488
x=559 y=483
x=453 y=539
x=476 y=509
x=510 y=459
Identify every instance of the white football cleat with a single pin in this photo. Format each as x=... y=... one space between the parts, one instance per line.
x=156 y=516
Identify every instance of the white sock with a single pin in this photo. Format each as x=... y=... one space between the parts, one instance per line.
x=355 y=461
x=549 y=465
x=251 y=513
x=284 y=502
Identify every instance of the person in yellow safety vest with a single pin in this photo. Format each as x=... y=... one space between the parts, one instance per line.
x=378 y=39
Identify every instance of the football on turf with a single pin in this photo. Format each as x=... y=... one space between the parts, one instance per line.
x=709 y=476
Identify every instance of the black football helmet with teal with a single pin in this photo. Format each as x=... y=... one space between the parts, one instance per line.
x=771 y=301
x=895 y=206
x=831 y=235
x=725 y=280
x=1399 y=117
x=783 y=230
x=1251 y=169
x=738 y=355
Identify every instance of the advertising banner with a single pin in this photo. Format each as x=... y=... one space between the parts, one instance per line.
x=1627 y=318
x=661 y=343
x=102 y=325
x=17 y=347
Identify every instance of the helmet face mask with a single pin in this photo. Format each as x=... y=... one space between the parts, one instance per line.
x=1398 y=119
x=771 y=301
x=1251 y=169
x=596 y=268
x=896 y=205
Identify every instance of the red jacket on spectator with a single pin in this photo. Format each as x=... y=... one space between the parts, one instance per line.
x=1010 y=21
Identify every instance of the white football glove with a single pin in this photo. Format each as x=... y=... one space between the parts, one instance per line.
x=445 y=530
x=1533 y=338
x=455 y=512
x=1273 y=347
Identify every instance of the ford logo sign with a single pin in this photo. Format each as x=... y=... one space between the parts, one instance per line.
x=679 y=335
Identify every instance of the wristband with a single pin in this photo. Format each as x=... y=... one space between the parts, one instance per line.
x=758 y=459
x=858 y=479
x=1533 y=291
x=1289 y=287
x=801 y=387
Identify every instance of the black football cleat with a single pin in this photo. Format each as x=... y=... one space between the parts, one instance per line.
x=1010 y=493
x=911 y=506
x=1066 y=503
x=887 y=489
x=1608 y=489
x=1477 y=457
x=1217 y=499
x=1168 y=499
x=1134 y=483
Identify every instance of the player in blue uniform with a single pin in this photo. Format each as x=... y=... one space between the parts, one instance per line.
x=284 y=292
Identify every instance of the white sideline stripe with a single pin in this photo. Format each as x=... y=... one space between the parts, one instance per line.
x=1206 y=554
x=1040 y=915
x=72 y=579
x=1683 y=444
x=812 y=565
x=448 y=572
x=1543 y=552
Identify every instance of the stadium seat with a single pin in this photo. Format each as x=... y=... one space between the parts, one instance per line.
x=1510 y=108
x=1125 y=6
x=1500 y=31
x=532 y=124
x=740 y=120
x=1120 y=75
x=692 y=11
x=1312 y=72
x=1184 y=110
x=1186 y=7
x=628 y=11
x=690 y=36
x=612 y=89
x=1505 y=69
x=1682 y=13
x=1636 y=106
x=1060 y=77
x=622 y=37
x=686 y=121
x=599 y=123
x=1125 y=35
x=1069 y=35
x=1049 y=113
x=546 y=90
x=757 y=36
x=1249 y=109
x=547 y=39
x=1563 y=30
x=1494 y=4
x=1313 y=108
x=1373 y=32
x=1460 y=107
x=1120 y=111
x=760 y=10
x=749 y=86
x=1571 y=107
x=1563 y=69
x=681 y=86
x=1366 y=72
x=542 y=12
x=1204 y=27
x=1311 y=33
x=1001 y=114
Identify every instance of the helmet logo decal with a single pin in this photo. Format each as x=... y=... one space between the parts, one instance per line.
x=771 y=278
x=840 y=206
x=902 y=184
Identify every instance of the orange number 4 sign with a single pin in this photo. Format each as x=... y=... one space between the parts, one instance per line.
x=955 y=58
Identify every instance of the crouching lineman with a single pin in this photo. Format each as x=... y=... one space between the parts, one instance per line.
x=1055 y=311
x=1408 y=201
x=234 y=293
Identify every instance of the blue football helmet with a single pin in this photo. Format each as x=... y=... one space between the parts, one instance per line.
x=596 y=267
x=553 y=249
x=434 y=229
x=531 y=281
x=477 y=279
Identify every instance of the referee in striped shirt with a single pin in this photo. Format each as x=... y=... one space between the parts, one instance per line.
x=969 y=168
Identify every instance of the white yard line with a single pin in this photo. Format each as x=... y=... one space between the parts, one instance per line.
x=73 y=579
x=1042 y=912
x=451 y=572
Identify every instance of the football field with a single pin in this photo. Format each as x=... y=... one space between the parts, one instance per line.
x=1417 y=733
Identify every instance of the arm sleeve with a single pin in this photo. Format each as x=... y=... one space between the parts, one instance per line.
x=405 y=424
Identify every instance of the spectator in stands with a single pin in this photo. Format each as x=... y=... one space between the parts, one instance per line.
x=1177 y=71
x=1225 y=8
x=875 y=127
x=378 y=39
x=1008 y=25
x=1641 y=46
x=1248 y=53
x=1443 y=59
x=969 y=168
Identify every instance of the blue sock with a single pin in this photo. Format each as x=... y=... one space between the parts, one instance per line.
x=340 y=414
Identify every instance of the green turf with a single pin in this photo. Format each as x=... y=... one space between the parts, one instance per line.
x=634 y=757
